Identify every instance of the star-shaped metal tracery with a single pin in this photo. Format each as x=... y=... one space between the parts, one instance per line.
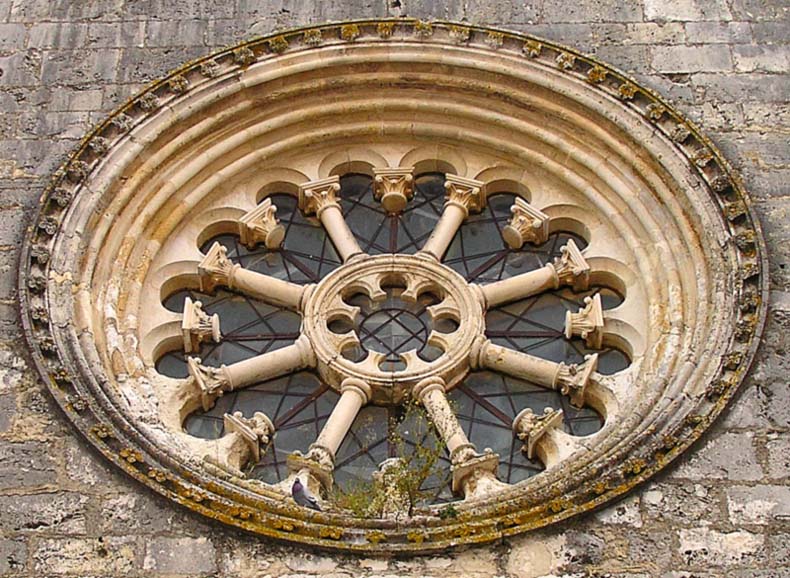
x=260 y=329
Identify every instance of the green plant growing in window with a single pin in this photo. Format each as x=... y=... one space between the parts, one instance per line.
x=406 y=481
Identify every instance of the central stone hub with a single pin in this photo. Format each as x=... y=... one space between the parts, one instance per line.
x=393 y=320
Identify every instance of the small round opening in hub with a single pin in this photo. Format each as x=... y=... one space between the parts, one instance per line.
x=392 y=326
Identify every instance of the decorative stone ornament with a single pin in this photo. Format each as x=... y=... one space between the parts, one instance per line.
x=216 y=269
x=394 y=187
x=587 y=323
x=197 y=326
x=572 y=268
x=253 y=433
x=210 y=382
x=187 y=163
x=535 y=430
x=260 y=226
x=528 y=225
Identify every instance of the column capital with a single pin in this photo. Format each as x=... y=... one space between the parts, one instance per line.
x=426 y=386
x=531 y=428
x=587 y=323
x=394 y=187
x=467 y=194
x=471 y=468
x=261 y=226
x=255 y=431
x=572 y=380
x=358 y=386
x=572 y=268
x=211 y=381
x=316 y=196
x=216 y=269
x=198 y=326
x=527 y=225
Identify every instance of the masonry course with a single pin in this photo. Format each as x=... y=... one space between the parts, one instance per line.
x=721 y=511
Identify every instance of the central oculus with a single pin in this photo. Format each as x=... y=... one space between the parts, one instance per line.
x=393 y=320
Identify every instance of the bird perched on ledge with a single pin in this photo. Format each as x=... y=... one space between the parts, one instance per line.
x=303 y=497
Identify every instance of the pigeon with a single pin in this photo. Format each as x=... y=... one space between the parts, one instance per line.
x=303 y=497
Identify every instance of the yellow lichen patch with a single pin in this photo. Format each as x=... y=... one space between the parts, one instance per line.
x=278 y=44
x=157 y=475
x=131 y=456
x=558 y=505
x=330 y=532
x=281 y=524
x=101 y=431
x=385 y=29
x=416 y=536
x=375 y=536
x=349 y=32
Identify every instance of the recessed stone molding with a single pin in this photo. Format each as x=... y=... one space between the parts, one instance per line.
x=652 y=210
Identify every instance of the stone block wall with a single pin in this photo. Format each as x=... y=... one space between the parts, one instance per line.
x=724 y=510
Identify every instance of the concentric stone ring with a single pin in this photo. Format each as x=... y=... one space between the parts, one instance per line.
x=417 y=275
x=584 y=150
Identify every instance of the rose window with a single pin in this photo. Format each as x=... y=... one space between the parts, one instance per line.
x=460 y=283
x=385 y=321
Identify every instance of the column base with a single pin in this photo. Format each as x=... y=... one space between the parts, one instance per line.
x=471 y=468
x=321 y=473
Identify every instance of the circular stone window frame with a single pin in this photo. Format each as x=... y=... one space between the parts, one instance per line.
x=70 y=366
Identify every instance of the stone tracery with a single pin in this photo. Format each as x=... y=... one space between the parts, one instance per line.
x=461 y=349
x=94 y=275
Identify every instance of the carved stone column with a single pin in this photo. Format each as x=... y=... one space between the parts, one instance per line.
x=569 y=269
x=527 y=225
x=217 y=270
x=570 y=380
x=354 y=393
x=464 y=196
x=260 y=226
x=393 y=187
x=212 y=382
x=320 y=458
x=320 y=198
x=198 y=326
x=587 y=323
x=519 y=286
x=473 y=474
